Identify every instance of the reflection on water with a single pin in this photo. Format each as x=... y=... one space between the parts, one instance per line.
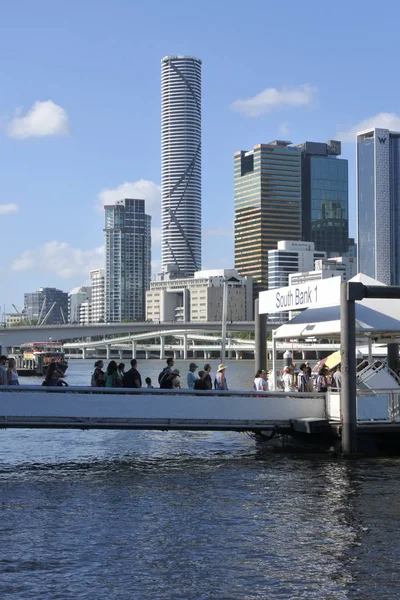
x=191 y=515
x=182 y=515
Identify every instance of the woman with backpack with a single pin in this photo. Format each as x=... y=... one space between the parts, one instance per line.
x=98 y=377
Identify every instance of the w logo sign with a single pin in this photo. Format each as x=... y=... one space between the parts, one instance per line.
x=382 y=140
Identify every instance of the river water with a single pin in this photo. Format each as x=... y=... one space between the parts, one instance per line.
x=191 y=515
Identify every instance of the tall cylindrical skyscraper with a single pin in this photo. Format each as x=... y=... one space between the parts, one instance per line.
x=181 y=163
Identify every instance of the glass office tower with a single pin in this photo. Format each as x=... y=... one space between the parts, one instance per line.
x=267 y=205
x=325 y=219
x=378 y=204
x=128 y=260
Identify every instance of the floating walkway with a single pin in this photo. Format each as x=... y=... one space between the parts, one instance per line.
x=99 y=408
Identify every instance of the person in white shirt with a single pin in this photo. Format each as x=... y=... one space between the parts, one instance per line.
x=3 y=370
x=287 y=380
x=260 y=385
x=337 y=379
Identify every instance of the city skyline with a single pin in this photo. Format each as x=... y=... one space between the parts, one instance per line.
x=77 y=132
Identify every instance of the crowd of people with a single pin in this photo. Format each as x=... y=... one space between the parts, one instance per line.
x=305 y=381
x=115 y=376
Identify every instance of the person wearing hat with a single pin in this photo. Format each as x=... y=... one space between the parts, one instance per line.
x=170 y=380
x=191 y=376
x=220 y=382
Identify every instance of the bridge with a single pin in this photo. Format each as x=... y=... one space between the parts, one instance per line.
x=195 y=343
x=13 y=336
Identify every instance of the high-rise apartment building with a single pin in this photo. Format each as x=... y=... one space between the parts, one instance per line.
x=76 y=298
x=325 y=219
x=181 y=163
x=48 y=306
x=97 y=304
x=378 y=204
x=128 y=259
x=267 y=205
x=290 y=257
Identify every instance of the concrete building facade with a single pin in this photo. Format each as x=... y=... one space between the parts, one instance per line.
x=76 y=298
x=97 y=304
x=200 y=298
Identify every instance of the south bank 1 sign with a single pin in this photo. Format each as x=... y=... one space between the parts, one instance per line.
x=313 y=294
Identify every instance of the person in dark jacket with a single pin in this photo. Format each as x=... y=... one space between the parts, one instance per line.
x=132 y=377
x=207 y=376
x=200 y=383
x=170 y=380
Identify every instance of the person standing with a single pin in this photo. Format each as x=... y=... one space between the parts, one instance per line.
x=98 y=377
x=259 y=384
x=12 y=374
x=148 y=383
x=287 y=380
x=322 y=381
x=200 y=383
x=3 y=370
x=121 y=369
x=207 y=376
x=220 y=382
x=132 y=378
x=302 y=379
x=113 y=378
x=191 y=376
x=337 y=379
x=170 y=380
x=167 y=369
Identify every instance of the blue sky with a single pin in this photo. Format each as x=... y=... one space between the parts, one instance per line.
x=80 y=111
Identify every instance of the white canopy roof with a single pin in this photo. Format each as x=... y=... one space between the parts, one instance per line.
x=379 y=318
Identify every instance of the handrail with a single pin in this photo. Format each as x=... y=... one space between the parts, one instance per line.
x=154 y=391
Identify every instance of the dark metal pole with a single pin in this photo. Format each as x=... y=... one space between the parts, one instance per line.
x=348 y=395
x=260 y=331
x=393 y=356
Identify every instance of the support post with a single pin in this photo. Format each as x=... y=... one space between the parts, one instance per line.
x=185 y=353
x=348 y=396
x=224 y=317
x=274 y=378
x=260 y=334
x=393 y=356
x=369 y=349
x=121 y=354
x=84 y=350
x=108 y=351
x=133 y=349
x=162 y=347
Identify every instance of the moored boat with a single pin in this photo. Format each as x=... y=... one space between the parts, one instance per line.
x=38 y=355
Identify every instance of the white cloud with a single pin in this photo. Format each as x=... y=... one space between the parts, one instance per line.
x=143 y=189
x=59 y=258
x=42 y=119
x=382 y=120
x=8 y=209
x=283 y=128
x=271 y=98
